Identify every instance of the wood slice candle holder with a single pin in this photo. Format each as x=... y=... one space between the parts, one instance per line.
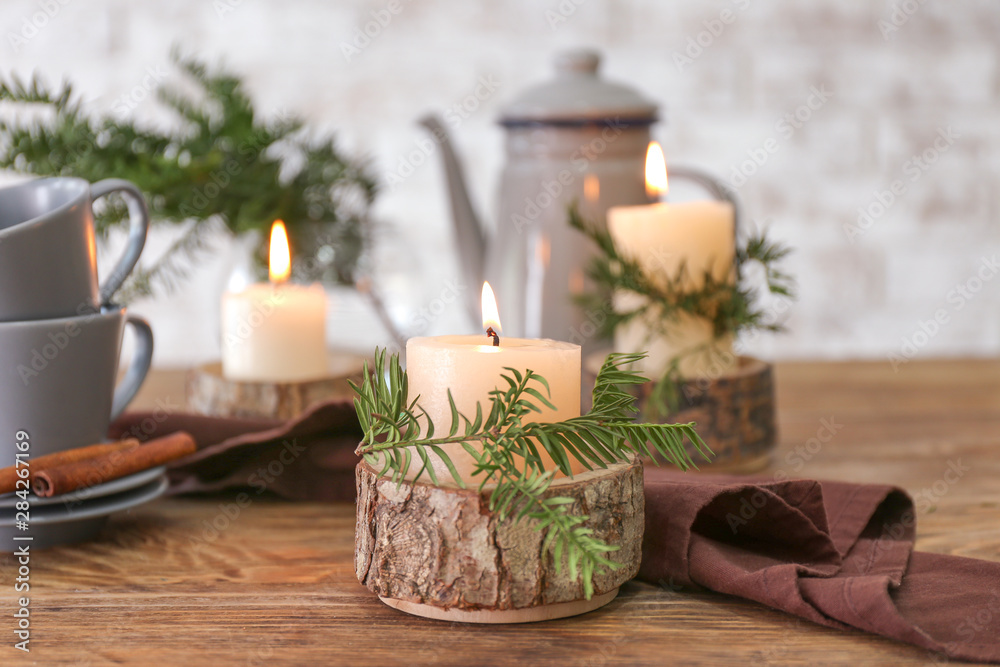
x=734 y=412
x=209 y=392
x=438 y=552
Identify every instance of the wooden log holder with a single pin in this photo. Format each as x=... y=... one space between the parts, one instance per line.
x=209 y=392
x=438 y=552
x=734 y=412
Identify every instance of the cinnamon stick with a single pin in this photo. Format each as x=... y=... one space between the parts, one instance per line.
x=9 y=476
x=72 y=476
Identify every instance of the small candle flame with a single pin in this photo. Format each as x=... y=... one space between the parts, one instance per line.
x=591 y=188
x=280 y=258
x=656 y=171
x=491 y=317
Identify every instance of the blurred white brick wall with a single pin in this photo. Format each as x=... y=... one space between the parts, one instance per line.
x=891 y=90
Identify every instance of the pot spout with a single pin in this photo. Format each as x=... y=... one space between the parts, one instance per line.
x=470 y=240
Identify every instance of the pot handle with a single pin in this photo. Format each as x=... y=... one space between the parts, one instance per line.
x=714 y=186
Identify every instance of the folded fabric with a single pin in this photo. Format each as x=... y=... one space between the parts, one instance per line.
x=310 y=457
x=838 y=554
x=835 y=553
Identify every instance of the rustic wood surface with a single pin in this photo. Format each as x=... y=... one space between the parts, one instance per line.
x=276 y=585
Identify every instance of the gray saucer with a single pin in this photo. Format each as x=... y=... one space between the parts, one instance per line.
x=88 y=493
x=57 y=525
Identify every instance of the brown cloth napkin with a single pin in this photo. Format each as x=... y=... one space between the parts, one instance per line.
x=835 y=553
x=310 y=457
x=838 y=554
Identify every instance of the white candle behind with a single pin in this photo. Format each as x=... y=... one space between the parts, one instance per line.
x=276 y=331
x=662 y=238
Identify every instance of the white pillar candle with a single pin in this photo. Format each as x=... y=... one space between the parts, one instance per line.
x=471 y=366
x=275 y=332
x=661 y=238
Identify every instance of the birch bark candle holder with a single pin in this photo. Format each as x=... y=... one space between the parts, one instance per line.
x=734 y=410
x=558 y=527
x=438 y=552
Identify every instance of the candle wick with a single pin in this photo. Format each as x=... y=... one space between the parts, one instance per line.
x=490 y=333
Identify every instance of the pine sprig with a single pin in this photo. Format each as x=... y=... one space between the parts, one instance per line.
x=221 y=161
x=505 y=446
x=732 y=307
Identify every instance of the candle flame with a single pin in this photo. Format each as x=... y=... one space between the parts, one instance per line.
x=491 y=317
x=543 y=251
x=280 y=258
x=656 y=171
x=591 y=188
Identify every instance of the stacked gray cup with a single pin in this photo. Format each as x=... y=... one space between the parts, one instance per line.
x=60 y=333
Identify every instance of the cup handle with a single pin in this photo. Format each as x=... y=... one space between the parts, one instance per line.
x=138 y=216
x=137 y=368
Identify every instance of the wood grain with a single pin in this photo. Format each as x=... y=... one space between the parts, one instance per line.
x=443 y=547
x=274 y=583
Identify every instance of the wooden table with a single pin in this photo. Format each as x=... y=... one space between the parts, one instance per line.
x=277 y=586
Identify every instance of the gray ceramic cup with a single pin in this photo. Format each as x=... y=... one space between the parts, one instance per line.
x=48 y=256
x=57 y=379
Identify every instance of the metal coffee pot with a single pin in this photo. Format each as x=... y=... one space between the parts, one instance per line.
x=578 y=138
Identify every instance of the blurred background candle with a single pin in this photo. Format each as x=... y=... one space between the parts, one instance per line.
x=471 y=366
x=275 y=331
x=663 y=237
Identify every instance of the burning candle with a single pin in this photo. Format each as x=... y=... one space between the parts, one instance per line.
x=275 y=331
x=662 y=238
x=471 y=366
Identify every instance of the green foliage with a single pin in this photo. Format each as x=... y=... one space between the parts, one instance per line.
x=731 y=306
x=505 y=444
x=220 y=164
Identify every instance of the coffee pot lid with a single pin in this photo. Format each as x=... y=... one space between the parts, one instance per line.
x=578 y=96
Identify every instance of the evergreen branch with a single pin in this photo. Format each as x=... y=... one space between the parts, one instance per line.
x=37 y=92
x=505 y=447
x=221 y=162
x=730 y=306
